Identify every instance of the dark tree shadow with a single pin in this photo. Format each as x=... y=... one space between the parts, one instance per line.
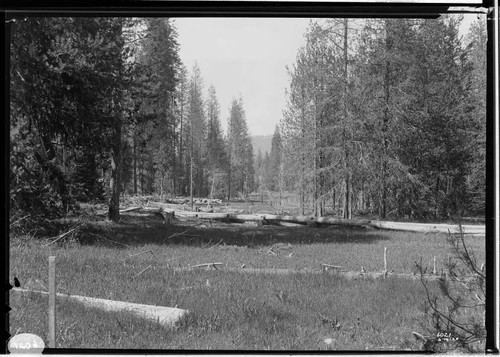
x=133 y=230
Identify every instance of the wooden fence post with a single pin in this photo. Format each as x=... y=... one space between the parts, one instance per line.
x=434 y=271
x=52 y=302
x=385 y=258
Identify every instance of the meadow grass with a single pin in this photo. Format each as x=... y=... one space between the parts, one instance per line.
x=228 y=310
x=237 y=311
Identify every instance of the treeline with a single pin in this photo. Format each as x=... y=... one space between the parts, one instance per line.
x=104 y=106
x=386 y=117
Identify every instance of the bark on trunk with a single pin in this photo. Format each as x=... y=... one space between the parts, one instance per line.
x=114 y=182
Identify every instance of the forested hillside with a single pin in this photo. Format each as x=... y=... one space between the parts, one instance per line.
x=384 y=117
x=262 y=143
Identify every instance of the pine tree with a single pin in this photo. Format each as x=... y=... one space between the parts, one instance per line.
x=216 y=154
x=240 y=152
x=67 y=80
x=476 y=179
x=275 y=158
x=385 y=52
x=196 y=126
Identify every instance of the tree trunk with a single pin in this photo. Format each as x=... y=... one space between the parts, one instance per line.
x=385 y=121
x=114 y=182
x=347 y=211
x=135 y=163
x=191 y=182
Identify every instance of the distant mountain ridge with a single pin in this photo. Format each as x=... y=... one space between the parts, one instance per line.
x=262 y=142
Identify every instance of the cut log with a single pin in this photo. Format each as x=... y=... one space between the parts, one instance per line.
x=349 y=275
x=130 y=209
x=166 y=316
x=201 y=215
x=152 y=209
x=299 y=219
x=279 y=219
x=429 y=227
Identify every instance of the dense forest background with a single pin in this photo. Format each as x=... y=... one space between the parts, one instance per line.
x=385 y=117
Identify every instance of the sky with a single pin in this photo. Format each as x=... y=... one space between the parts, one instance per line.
x=246 y=57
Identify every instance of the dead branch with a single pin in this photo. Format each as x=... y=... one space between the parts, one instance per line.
x=142 y=271
x=216 y=244
x=146 y=251
x=206 y=245
x=18 y=220
x=61 y=236
x=327 y=266
x=177 y=234
x=110 y=240
x=205 y=265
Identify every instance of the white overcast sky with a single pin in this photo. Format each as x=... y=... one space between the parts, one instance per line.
x=246 y=57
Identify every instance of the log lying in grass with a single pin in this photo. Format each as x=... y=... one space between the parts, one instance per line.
x=130 y=209
x=429 y=227
x=201 y=215
x=329 y=266
x=166 y=316
x=277 y=219
x=350 y=275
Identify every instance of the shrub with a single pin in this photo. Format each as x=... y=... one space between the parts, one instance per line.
x=455 y=318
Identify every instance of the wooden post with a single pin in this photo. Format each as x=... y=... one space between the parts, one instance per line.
x=434 y=271
x=52 y=302
x=385 y=258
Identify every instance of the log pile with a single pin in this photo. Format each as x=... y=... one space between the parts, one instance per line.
x=168 y=213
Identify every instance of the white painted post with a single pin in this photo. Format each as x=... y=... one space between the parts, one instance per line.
x=434 y=271
x=385 y=258
x=52 y=302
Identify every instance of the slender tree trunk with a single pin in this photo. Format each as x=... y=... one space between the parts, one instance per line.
x=334 y=207
x=181 y=148
x=114 y=182
x=383 y=203
x=303 y=158
x=161 y=187
x=436 y=199
x=135 y=162
x=48 y=155
x=191 y=182
x=347 y=210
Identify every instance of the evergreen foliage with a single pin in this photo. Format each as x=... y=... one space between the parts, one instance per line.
x=380 y=118
x=384 y=117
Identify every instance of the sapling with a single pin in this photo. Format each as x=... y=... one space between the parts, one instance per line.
x=455 y=318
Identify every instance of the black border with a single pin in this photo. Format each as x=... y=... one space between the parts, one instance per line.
x=18 y=9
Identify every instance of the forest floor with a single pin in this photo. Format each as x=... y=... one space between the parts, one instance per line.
x=138 y=260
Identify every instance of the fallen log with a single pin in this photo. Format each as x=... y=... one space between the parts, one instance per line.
x=429 y=227
x=130 y=209
x=349 y=275
x=299 y=219
x=278 y=219
x=201 y=215
x=166 y=316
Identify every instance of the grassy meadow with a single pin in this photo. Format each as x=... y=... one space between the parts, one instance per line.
x=228 y=310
